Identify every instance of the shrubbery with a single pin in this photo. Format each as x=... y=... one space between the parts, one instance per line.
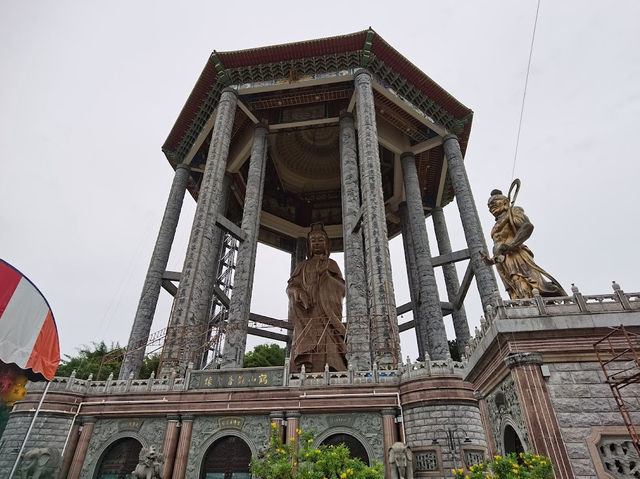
x=300 y=459
x=524 y=466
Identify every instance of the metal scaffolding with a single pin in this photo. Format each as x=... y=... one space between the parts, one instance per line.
x=618 y=355
x=219 y=310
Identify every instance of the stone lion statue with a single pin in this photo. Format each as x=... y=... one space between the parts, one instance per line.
x=149 y=465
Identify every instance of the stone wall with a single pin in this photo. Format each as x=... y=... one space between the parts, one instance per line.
x=427 y=422
x=49 y=430
x=583 y=402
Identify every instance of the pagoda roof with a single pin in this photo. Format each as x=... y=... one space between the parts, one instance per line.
x=365 y=49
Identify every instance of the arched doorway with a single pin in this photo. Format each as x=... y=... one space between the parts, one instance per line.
x=356 y=449
x=119 y=459
x=512 y=442
x=227 y=458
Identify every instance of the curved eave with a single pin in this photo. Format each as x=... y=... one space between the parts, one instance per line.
x=187 y=124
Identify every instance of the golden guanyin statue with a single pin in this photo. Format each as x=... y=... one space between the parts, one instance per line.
x=512 y=258
x=316 y=290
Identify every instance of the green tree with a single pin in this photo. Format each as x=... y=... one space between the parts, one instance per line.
x=149 y=365
x=89 y=359
x=265 y=355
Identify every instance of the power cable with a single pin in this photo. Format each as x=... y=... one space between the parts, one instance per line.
x=524 y=93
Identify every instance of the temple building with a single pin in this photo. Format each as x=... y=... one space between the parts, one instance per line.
x=338 y=145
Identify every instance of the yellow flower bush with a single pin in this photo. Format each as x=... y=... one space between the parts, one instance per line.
x=524 y=466
x=297 y=460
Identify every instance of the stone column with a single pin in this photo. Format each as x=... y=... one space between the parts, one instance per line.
x=427 y=312
x=184 y=444
x=459 y=316
x=191 y=304
x=134 y=355
x=412 y=276
x=297 y=257
x=70 y=449
x=300 y=254
x=485 y=279
x=277 y=418
x=382 y=308
x=81 y=449
x=358 y=325
x=236 y=333
x=169 y=445
x=389 y=436
x=537 y=410
x=293 y=423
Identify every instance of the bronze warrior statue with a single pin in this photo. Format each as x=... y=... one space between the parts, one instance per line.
x=513 y=260
x=316 y=290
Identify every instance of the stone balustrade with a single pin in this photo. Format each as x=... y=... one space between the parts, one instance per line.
x=253 y=377
x=111 y=386
x=574 y=305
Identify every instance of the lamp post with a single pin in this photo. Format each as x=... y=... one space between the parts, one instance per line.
x=454 y=437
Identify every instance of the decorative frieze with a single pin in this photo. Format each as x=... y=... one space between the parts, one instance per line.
x=504 y=409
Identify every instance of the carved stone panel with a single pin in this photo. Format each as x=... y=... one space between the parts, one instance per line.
x=366 y=427
x=612 y=453
x=472 y=455
x=504 y=409
x=147 y=431
x=254 y=430
x=619 y=457
x=427 y=462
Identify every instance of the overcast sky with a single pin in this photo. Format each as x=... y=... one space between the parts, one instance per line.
x=90 y=90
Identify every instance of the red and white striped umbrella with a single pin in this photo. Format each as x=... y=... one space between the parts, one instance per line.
x=28 y=334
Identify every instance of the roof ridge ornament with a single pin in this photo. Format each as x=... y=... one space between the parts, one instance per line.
x=458 y=124
x=366 y=49
x=223 y=75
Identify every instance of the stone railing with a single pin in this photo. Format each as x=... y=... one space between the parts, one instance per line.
x=338 y=378
x=427 y=368
x=538 y=306
x=251 y=378
x=111 y=386
x=577 y=303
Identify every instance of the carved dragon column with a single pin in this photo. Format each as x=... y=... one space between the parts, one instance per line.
x=236 y=333
x=141 y=328
x=412 y=274
x=460 y=324
x=485 y=280
x=297 y=257
x=427 y=312
x=358 y=325
x=190 y=308
x=382 y=307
